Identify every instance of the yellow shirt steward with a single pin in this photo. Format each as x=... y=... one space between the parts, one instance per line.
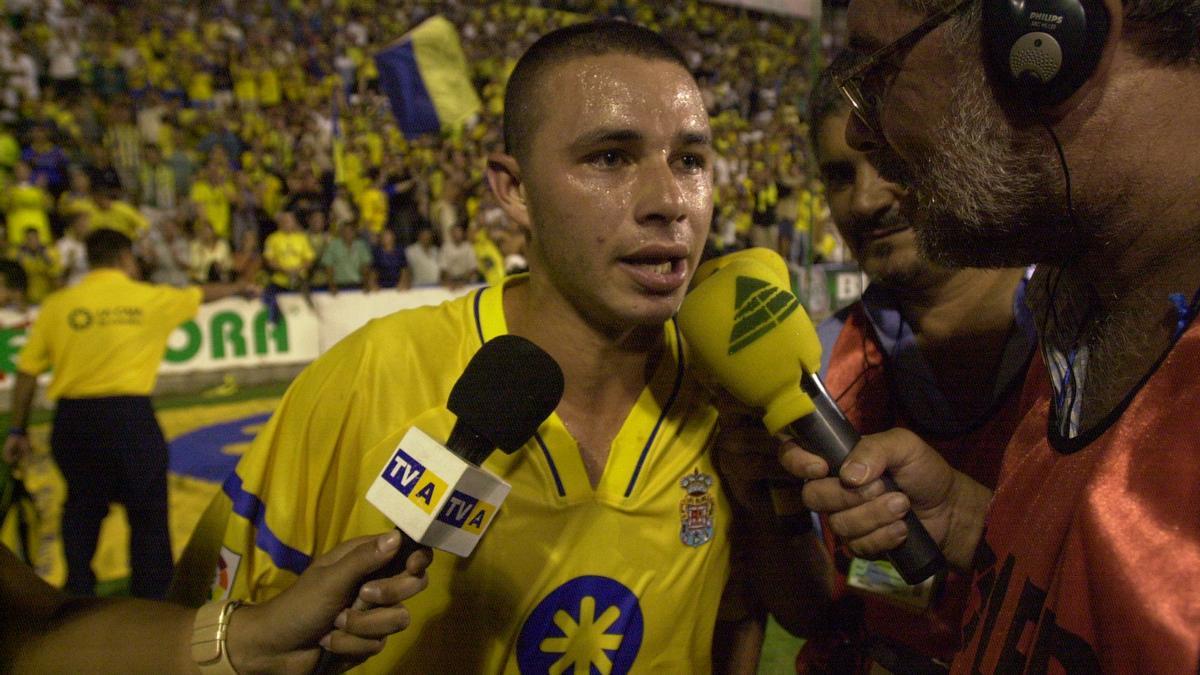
x=623 y=577
x=106 y=335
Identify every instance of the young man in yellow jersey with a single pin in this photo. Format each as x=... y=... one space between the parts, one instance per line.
x=613 y=549
x=104 y=338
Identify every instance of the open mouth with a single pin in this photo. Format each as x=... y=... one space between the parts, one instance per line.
x=657 y=273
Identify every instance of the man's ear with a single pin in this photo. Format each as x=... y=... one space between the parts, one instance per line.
x=504 y=178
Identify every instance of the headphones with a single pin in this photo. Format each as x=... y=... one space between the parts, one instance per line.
x=1044 y=49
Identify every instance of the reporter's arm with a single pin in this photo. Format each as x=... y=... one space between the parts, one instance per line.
x=42 y=630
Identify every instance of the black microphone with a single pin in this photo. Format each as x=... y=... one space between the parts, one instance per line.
x=506 y=391
x=829 y=432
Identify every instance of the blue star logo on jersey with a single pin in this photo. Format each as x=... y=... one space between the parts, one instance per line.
x=590 y=624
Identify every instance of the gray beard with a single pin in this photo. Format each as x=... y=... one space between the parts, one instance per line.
x=988 y=195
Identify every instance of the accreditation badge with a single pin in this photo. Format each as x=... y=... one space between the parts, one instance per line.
x=880 y=578
x=696 y=509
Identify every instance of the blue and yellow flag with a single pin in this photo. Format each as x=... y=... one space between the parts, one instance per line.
x=426 y=79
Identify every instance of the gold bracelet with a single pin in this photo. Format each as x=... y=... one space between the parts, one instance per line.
x=208 y=637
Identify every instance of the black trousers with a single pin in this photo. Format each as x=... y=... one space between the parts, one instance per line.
x=112 y=450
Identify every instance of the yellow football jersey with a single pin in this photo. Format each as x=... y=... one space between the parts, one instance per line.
x=106 y=335
x=625 y=577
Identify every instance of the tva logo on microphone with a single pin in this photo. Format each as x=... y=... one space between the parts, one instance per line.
x=415 y=481
x=436 y=497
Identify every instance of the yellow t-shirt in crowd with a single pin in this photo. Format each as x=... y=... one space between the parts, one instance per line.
x=638 y=563
x=215 y=202
x=373 y=209
x=489 y=259
x=270 y=92
x=106 y=335
x=287 y=252
x=122 y=217
x=245 y=85
x=200 y=88
x=71 y=205
x=27 y=206
x=41 y=273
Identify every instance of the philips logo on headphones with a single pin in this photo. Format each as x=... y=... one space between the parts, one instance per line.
x=1045 y=21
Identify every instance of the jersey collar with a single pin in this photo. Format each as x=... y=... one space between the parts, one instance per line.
x=641 y=434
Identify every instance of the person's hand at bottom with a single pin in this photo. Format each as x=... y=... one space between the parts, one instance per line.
x=285 y=634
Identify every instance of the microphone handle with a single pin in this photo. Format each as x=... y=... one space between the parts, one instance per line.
x=830 y=434
x=327 y=663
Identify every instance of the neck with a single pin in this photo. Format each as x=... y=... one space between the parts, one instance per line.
x=595 y=361
x=604 y=371
x=965 y=302
x=1146 y=238
x=962 y=325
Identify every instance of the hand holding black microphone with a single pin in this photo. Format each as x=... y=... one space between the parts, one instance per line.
x=437 y=495
x=752 y=335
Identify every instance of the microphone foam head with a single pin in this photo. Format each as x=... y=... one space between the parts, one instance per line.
x=750 y=333
x=507 y=390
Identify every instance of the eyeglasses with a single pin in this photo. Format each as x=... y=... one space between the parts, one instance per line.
x=862 y=86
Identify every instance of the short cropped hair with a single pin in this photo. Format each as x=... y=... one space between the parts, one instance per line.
x=592 y=38
x=105 y=246
x=1171 y=29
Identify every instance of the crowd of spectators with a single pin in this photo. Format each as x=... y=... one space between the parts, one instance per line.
x=247 y=140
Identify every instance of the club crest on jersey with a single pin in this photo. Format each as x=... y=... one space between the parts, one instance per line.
x=696 y=509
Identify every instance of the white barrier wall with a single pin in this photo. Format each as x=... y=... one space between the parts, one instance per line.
x=238 y=333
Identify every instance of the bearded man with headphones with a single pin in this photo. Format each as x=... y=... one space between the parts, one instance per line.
x=1061 y=133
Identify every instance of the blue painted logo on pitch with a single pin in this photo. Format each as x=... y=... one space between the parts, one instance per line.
x=590 y=624
x=200 y=453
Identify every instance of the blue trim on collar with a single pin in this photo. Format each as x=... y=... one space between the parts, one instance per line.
x=562 y=491
x=665 y=411
x=478 y=320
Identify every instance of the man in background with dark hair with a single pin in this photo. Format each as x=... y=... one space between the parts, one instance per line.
x=594 y=561
x=104 y=339
x=937 y=350
x=1086 y=556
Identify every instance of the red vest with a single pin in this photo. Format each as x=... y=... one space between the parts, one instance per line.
x=858 y=378
x=1091 y=559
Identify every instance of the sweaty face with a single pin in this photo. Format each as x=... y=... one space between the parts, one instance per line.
x=618 y=187
x=982 y=192
x=866 y=209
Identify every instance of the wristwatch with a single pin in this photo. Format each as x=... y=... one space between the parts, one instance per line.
x=208 y=637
